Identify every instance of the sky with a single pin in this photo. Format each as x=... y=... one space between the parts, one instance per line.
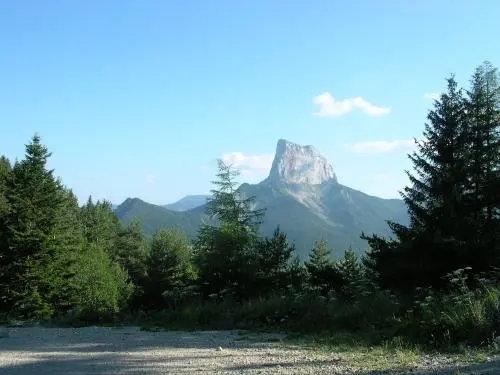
x=140 y=98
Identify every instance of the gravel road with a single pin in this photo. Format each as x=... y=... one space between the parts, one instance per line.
x=93 y=350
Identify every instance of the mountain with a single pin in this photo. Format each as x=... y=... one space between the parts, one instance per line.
x=299 y=165
x=303 y=196
x=331 y=211
x=188 y=202
x=154 y=217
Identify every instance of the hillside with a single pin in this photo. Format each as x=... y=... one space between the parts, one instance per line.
x=154 y=217
x=331 y=211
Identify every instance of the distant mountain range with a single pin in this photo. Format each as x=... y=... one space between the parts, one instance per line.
x=188 y=202
x=301 y=195
x=154 y=217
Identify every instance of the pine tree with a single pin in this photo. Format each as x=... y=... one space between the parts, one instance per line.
x=276 y=252
x=350 y=275
x=105 y=252
x=68 y=242
x=34 y=198
x=225 y=261
x=101 y=226
x=434 y=198
x=169 y=269
x=224 y=253
x=433 y=244
x=130 y=251
x=320 y=268
x=273 y=256
x=226 y=204
x=319 y=258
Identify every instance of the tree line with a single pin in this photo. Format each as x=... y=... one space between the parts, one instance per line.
x=59 y=259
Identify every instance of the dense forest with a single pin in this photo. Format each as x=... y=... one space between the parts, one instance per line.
x=435 y=282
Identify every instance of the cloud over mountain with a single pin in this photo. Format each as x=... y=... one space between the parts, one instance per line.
x=249 y=164
x=331 y=107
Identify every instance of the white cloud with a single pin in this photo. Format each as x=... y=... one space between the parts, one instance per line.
x=249 y=164
x=432 y=95
x=330 y=107
x=150 y=178
x=372 y=147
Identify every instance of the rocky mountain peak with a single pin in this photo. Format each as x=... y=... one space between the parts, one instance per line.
x=296 y=164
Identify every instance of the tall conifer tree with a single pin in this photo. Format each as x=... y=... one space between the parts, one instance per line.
x=224 y=253
x=433 y=244
x=34 y=198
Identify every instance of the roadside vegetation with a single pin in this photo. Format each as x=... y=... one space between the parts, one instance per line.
x=434 y=286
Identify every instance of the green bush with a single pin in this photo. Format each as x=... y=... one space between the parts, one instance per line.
x=463 y=315
x=102 y=285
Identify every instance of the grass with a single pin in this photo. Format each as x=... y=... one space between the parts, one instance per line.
x=356 y=350
x=395 y=354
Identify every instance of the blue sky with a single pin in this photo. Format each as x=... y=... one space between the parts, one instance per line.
x=139 y=98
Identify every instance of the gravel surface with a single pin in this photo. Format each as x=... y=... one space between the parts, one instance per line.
x=94 y=350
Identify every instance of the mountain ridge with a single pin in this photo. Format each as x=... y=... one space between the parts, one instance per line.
x=188 y=202
x=302 y=195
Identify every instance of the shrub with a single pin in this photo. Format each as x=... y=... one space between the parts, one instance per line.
x=102 y=285
x=461 y=315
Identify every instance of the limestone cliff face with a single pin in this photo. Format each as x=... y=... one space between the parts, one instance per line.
x=295 y=164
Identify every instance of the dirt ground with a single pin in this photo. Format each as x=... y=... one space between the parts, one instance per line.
x=129 y=350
